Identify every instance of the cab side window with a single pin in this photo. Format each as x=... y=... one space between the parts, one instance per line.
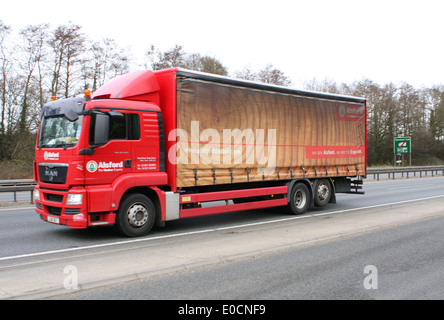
x=124 y=126
x=118 y=129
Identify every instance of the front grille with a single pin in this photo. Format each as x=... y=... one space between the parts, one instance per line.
x=39 y=206
x=55 y=211
x=54 y=197
x=72 y=211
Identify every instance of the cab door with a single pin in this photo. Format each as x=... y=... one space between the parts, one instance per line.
x=113 y=157
x=147 y=152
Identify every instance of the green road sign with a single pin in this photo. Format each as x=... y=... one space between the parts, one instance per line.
x=402 y=145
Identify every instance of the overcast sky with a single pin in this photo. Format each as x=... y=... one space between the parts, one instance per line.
x=343 y=40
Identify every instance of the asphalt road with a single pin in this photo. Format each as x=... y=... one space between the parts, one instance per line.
x=406 y=262
x=22 y=231
x=326 y=264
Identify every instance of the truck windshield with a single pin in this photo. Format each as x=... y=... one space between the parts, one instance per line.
x=59 y=132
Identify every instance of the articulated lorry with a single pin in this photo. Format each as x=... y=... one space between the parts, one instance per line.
x=154 y=146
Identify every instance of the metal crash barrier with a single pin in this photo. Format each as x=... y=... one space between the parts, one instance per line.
x=20 y=185
x=406 y=172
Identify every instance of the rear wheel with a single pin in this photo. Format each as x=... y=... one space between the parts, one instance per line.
x=299 y=199
x=322 y=193
x=136 y=215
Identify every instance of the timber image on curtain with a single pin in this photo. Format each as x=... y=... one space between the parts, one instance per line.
x=232 y=134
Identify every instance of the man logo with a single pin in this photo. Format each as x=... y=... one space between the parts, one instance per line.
x=91 y=166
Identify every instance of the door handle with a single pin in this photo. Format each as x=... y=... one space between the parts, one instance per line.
x=127 y=163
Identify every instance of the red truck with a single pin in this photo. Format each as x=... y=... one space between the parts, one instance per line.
x=154 y=146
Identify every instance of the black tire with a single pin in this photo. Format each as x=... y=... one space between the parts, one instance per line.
x=136 y=215
x=322 y=192
x=299 y=199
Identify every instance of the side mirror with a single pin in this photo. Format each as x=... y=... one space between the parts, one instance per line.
x=101 y=130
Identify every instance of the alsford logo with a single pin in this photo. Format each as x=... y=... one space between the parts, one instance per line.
x=93 y=166
x=51 y=155
x=350 y=112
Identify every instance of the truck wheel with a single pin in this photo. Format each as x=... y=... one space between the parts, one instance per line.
x=322 y=192
x=299 y=199
x=136 y=215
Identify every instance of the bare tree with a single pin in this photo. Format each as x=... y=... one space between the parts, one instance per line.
x=177 y=57
x=174 y=57
x=67 y=43
x=271 y=75
x=213 y=65
x=4 y=70
x=104 y=60
x=32 y=54
x=74 y=48
x=118 y=59
x=268 y=75
x=436 y=111
x=325 y=85
x=247 y=74
x=198 y=62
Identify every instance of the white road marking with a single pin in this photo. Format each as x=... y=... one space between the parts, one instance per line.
x=306 y=216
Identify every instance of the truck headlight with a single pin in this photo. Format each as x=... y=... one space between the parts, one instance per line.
x=36 y=194
x=74 y=199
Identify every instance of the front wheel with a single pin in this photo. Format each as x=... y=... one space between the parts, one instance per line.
x=299 y=199
x=136 y=215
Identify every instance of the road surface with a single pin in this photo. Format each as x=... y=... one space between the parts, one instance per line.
x=295 y=255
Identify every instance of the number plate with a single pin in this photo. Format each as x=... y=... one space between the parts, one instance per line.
x=53 y=219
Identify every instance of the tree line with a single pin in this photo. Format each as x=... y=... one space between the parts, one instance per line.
x=40 y=61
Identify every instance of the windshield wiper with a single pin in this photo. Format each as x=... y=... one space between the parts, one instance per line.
x=58 y=145
x=63 y=145
x=44 y=146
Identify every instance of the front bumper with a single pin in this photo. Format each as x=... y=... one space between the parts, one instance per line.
x=52 y=208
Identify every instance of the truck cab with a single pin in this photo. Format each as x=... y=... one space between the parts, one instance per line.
x=92 y=151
